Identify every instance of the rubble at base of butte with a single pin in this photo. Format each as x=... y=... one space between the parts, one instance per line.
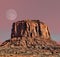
x=30 y=37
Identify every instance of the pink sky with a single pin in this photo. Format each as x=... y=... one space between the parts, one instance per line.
x=47 y=11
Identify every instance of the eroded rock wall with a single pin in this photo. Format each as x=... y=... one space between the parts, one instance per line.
x=30 y=28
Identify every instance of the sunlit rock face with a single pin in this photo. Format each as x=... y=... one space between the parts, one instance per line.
x=30 y=28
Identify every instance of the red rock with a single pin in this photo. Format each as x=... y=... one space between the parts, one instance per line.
x=30 y=28
x=31 y=35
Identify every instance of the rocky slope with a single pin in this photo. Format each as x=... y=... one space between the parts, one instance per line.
x=30 y=37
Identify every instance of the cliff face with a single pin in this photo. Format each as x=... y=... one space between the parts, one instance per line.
x=30 y=28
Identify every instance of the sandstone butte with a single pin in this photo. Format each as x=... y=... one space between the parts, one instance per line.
x=30 y=38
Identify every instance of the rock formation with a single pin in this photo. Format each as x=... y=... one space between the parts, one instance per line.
x=30 y=28
x=31 y=35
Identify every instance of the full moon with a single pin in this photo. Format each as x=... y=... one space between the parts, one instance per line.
x=11 y=14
